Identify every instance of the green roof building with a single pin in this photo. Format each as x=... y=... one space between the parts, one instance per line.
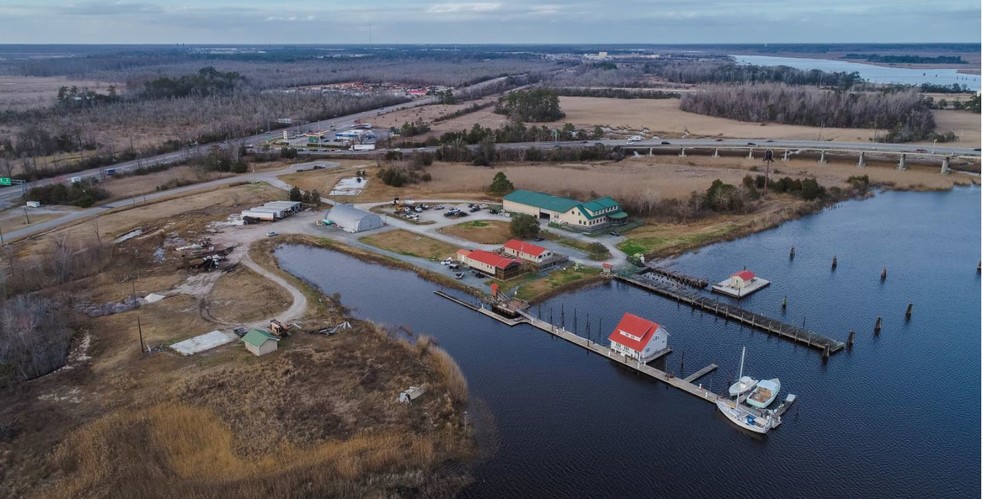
x=564 y=210
x=260 y=342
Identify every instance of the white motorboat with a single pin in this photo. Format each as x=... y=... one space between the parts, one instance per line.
x=742 y=385
x=765 y=393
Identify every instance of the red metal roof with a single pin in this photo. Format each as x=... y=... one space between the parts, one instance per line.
x=524 y=247
x=747 y=275
x=635 y=326
x=489 y=258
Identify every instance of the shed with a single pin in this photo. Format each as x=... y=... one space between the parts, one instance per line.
x=741 y=279
x=638 y=338
x=352 y=219
x=260 y=342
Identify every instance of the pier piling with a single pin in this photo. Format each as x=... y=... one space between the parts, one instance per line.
x=791 y=253
x=907 y=313
x=850 y=338
x=884 y=273
x=877 y=325
x=784 y=303
x=834 y=263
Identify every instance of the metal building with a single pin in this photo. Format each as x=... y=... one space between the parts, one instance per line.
x=352 y=219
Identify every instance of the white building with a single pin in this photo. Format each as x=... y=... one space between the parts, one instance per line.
x=352 y=219
x=260 y=342
x=638 y=338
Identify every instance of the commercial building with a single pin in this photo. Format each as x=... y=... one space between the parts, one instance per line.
x=526 y=251
x=590 y=214
x=352 y=219
x=272 y=211
x=638 y=338
x=493 y=264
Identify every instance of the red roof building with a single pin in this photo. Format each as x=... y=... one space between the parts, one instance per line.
x=490 y=263
x=638 y=338
x=526 y=251
x=741 y=279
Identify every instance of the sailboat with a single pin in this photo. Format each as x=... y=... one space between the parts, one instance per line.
x=743 y=416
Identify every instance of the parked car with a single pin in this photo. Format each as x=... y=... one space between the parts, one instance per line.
x=751 y=144
x=453 y=266
x=665 y=142
x=477 y=273
x=317 y=167
x=439 y=207
x=615 y=233
x=538 y=238
x=446 y=261
x=271 y=233
x=459 y=275
x=921 y=150
x=472 y=210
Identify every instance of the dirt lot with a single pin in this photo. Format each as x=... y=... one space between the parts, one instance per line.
x=481 y=231
x=324 y=180
x=410 y=244
x=18 y=93
x=427 y=114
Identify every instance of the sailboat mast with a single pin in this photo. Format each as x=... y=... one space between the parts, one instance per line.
x=741 y=375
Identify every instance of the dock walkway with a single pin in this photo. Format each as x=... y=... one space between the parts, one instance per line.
x=679 y=277
x=696 y=300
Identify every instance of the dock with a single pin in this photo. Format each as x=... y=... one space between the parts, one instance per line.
x=699 y=374
x=679 y=277
x=737 y=314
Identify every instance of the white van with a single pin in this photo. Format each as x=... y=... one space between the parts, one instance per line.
x=634 y=138
x=76 y=180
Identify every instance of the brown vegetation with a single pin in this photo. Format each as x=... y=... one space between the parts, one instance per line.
x=410 y=244
x=481 y=231
x=244 y=296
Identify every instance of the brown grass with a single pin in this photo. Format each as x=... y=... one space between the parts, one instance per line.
x=410 y=244
x=481 y=231
x=125 y=187
x=245 y=296
x=18 y=93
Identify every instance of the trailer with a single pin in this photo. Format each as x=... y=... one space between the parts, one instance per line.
x=363 y=147
x=267 y=216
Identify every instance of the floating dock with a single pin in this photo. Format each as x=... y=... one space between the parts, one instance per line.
x=724 y=288
x=679 y=277
x=737 y=314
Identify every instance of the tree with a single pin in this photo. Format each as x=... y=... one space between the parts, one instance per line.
x=524 y=226
x=296 y=195
x=501 y=184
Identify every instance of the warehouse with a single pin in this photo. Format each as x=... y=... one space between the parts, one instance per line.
x=352 y=219
x=591 y=214
x=272 y=211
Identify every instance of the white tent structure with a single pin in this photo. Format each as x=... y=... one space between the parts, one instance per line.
x=352 y=219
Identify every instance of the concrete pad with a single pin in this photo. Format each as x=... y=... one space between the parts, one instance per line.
x=349 y=187
x=203 y=342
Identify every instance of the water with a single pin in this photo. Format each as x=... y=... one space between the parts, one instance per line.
x=896 y=417
x=870 y=72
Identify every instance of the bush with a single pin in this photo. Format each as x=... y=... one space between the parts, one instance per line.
x=501 y=184
x=524 y=226
x=82 y=195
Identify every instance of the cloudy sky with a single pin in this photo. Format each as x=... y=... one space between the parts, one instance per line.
x=504 y=21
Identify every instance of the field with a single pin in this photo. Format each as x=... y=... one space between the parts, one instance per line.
x=410 y=244
x=18 y=93
x=533 y=287
x=481 y=231
x=134 y=185
x=244 y=296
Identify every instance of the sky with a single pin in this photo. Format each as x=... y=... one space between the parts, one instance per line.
x=504 y=21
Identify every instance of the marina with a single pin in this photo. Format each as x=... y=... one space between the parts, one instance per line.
x=796 y=334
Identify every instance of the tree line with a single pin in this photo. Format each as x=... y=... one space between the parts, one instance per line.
x=730 y=72
x=903 y=114
x=536 y=105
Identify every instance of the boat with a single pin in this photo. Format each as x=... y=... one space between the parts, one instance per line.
x=742 y=385
x=743 y=416
x=765 y=393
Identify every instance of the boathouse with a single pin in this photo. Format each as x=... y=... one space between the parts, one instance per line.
x=526 y=251
x=493 y=264
x=740 y=284
x=638 y=338
x=742 y=279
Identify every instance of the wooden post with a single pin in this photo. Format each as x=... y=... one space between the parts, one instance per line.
x=883 y=273
x=850 y=338
x=907 y=314
x=791 y=253
x=784 y=303
x=877 y=325
x=834 y=263
x=826 y=351
x=140 y=330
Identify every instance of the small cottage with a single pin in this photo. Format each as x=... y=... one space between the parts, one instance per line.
x=260 y=342
x=638 y=338
x=742 y=279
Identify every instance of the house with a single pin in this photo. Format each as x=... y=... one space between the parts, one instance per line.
x=260 y=342
x=742 y=279
x=638 y=338
x=526 y=251
x=493 y=264
x=352 y=219
x=563 y=210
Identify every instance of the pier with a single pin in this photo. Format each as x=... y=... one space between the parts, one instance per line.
x=737 y=314
x=685 y=384
x=679 y=277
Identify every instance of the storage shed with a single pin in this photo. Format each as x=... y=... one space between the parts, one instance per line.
x=260 y=342
x=352 y=219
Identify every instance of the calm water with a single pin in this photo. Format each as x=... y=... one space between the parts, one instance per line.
x=875 y=74
x=899 y=416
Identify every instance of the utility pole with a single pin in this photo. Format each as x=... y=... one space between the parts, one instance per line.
x=140 y=330
x=769 y=157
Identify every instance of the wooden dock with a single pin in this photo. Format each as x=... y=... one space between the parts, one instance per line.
x=679 y=277
x=701 y=373
x=737 y=314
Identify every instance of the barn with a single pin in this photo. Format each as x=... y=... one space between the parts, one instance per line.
x=352 y=219
x=638 y=338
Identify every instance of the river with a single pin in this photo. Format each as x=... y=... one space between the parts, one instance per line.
x=870 y=72
x=898 y=416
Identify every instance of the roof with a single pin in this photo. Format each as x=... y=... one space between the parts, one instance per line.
x=256 y=337
x=464 y=252
x=635 y=326
x=346 y=213
x=747 y=275
x=489 y=258
x=618 y=215
x=541 y=200
x=524 y=247
x=600 y=204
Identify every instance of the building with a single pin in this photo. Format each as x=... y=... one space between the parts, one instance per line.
x=352 y=219
x=526 y=251
x=638 y=338
x=272 y=211
x=742 y=279
x=740 y=284
x=563 y=210
x=260 y=342
x=493 y=264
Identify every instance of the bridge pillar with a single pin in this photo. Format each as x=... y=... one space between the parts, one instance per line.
x=750 y=154
x=715 y=153
x=785 y=156
x=822 y=157
x=945 y=166
x=650 y=151
x=902 y=162
x=682 y=152
x=860 y=162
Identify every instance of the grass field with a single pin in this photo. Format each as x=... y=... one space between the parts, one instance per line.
x=245 y=296
x=18 y=93
x=481 y=231
x=410 y=244
x=536 y=287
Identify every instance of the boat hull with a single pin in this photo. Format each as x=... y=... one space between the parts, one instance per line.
x=765 y=393
x=743 y=418
x=742 y=385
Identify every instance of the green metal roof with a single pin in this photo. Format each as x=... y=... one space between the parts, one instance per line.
x=542 y=200
x=618 y=215
x=256 y=337
x=600 y=204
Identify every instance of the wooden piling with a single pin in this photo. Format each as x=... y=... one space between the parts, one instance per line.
x=791 y=253
x=850 y=338
x=884 y=273
x=907 y=314
x=834 y=263
x=784 y=303
x=825 y=352
x=877 y=325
